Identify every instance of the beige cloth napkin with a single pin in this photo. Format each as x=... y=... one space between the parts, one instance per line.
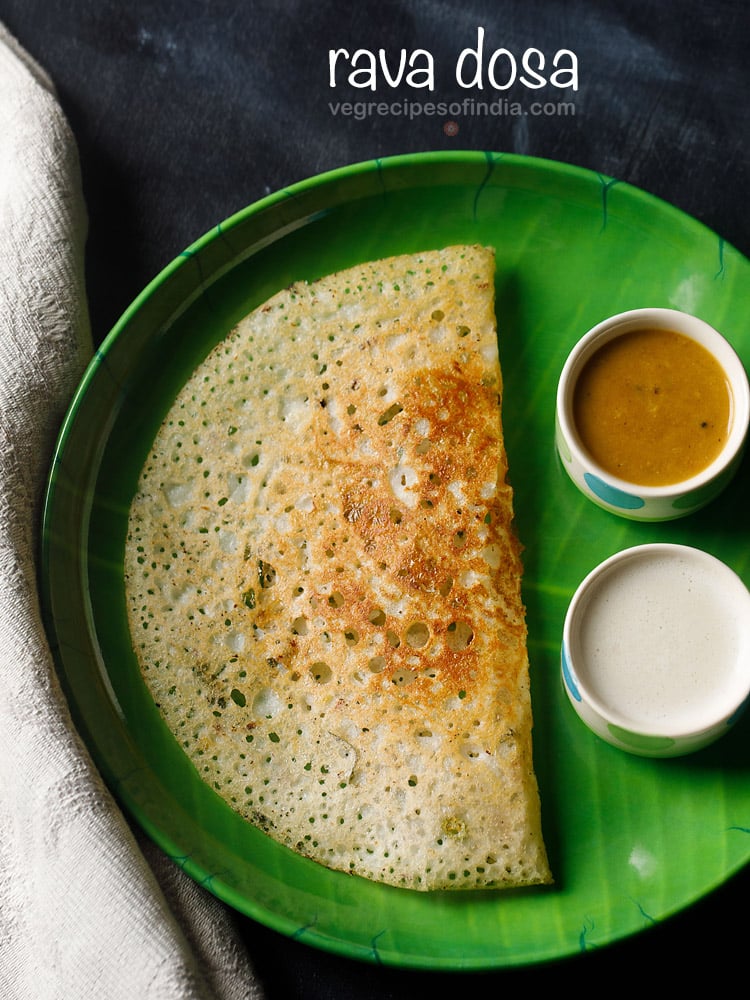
x=82 y=912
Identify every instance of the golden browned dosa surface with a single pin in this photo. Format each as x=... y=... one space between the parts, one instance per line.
x=324 y=584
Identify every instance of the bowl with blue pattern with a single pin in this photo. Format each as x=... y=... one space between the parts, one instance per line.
x=597 y=469
x=655 y=653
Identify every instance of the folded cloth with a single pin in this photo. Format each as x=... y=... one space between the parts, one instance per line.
x=83 y=913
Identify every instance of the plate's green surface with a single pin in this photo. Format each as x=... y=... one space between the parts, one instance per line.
x=631 y=840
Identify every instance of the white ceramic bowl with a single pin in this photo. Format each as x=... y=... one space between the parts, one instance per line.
x=651 y=503
x=656 y=649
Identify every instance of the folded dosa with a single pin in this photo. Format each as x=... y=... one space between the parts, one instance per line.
x=324 y=583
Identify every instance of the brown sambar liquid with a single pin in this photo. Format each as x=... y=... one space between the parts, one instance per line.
x=652 y=407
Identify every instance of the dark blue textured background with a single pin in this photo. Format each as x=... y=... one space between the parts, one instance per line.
x=185 y=111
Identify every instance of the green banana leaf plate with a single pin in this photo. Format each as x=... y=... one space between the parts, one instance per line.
x=631 y=840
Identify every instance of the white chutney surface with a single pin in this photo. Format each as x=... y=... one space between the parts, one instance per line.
x=660 y=645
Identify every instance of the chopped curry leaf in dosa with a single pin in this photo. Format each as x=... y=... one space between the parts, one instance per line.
x=324 y=584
